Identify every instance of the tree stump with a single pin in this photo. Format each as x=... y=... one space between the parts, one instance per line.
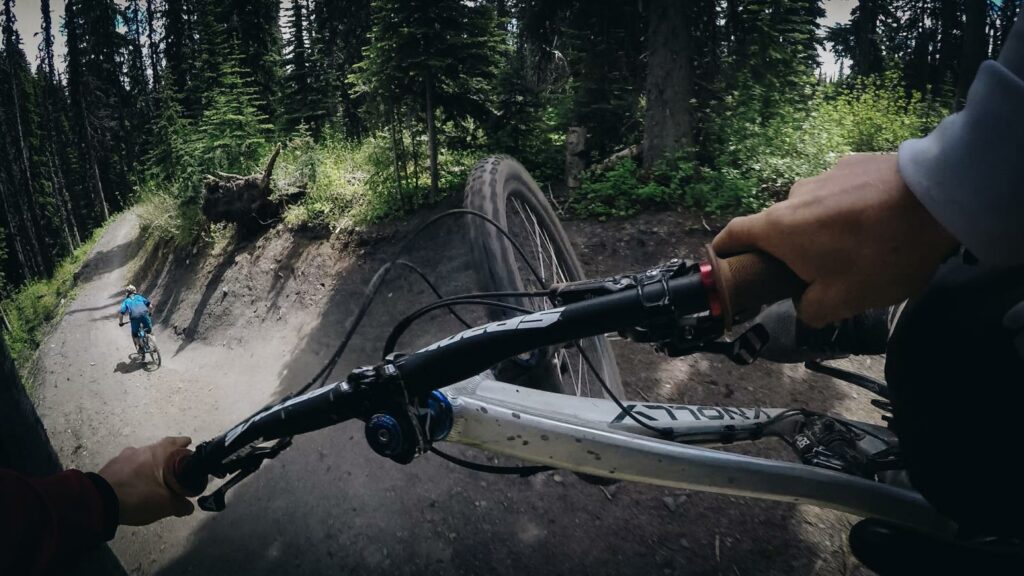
x=246 y=201
x=575 y=146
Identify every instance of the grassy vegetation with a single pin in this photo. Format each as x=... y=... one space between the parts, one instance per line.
x=756 y=161
x=354 y=184
x=332 y=183
x=752 y=149
x=32 y=309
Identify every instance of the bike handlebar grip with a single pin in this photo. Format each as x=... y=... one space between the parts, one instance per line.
x=746 y=282
x=182 y=474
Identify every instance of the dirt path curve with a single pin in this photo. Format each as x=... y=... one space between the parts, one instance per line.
x=241 y=326
x=95 y=397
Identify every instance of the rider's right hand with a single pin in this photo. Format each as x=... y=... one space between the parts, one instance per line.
x=855 y=234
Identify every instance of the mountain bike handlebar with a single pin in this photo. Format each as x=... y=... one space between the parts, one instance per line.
x=729 y=289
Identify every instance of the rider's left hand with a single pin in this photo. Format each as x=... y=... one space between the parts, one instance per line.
x=137 y=477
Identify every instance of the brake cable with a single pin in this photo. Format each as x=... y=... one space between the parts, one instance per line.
x=522 y=471
x=476 y=298
x=433 y=289
x=371 y=292
x=374 y=286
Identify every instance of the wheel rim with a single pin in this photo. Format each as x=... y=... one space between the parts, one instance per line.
x=569 y=368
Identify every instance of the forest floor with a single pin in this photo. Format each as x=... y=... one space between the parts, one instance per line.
x=242 y=322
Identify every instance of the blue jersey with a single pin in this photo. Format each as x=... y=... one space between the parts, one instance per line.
x=135 y=306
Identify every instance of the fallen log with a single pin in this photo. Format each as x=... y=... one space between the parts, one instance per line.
x=246 y=201
x=632 y=152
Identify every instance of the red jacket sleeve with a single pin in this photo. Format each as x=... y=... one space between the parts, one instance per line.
x=47 y=523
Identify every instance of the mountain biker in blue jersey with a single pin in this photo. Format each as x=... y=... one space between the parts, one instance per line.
x=139 y=310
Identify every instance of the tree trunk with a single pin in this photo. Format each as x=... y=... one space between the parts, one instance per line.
x=12 y=228
x=431 y=138
x=31 y=212
x=65 y=199
x=867 y=57
x=975 y=47
x=394 y=150
x=668 y=127
x=732 y=24
x=949 y=25
x=101 y=202
x=25 y=448
x=153 y=47
x=56 y=179
x=63 y=217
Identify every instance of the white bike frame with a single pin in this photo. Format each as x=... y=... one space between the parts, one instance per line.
x=593 y=436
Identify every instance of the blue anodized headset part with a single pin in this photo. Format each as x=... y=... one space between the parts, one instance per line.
x=384 y=434
x=440 y=419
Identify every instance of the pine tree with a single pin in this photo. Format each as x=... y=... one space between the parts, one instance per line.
x=914 y=41
x=54 y=138
x=975 y=47
x=137 y=99
x=518 y=121
x=153 y=48
x=99 y=101
x=775 y=52
x=339 y=30
x=55 y=131
x=179 y=47
x=18 y=122
x=1005 y=17
x=605 y=44
x=430 y=57
x=252 y=26
x=299 y=105
x=864 y=39
x=232 y=135
x=134 y=57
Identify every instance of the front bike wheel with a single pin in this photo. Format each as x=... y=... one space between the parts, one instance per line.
x=502 y=189
x=154 y=352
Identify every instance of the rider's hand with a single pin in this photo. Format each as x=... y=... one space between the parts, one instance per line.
x=136 y=475
x=855 y=234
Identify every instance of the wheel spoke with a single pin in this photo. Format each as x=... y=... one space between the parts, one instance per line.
x=535 y=241
x=528 y=229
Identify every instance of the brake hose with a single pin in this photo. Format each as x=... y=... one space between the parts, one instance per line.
x=371 y=292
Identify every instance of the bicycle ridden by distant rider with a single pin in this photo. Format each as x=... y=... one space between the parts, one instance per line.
x=139 y=310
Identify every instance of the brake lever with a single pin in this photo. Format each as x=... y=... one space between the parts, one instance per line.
x=243 y=467
x=744 y=349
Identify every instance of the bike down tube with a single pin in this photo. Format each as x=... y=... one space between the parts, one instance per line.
x=577 y=434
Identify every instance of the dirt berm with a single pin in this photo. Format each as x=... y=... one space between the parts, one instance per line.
x=240 y=324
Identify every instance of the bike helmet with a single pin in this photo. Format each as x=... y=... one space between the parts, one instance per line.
x=129 y=289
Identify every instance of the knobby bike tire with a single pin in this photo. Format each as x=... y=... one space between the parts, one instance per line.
x=496 y=184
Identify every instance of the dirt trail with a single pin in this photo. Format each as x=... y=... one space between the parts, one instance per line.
x=246 y=322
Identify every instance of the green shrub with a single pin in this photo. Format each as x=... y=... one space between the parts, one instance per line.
x=750 y=162
x=754 y=163
x=619 y=191
x=354 y=183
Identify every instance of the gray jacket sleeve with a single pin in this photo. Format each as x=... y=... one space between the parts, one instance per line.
x=969 y=172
